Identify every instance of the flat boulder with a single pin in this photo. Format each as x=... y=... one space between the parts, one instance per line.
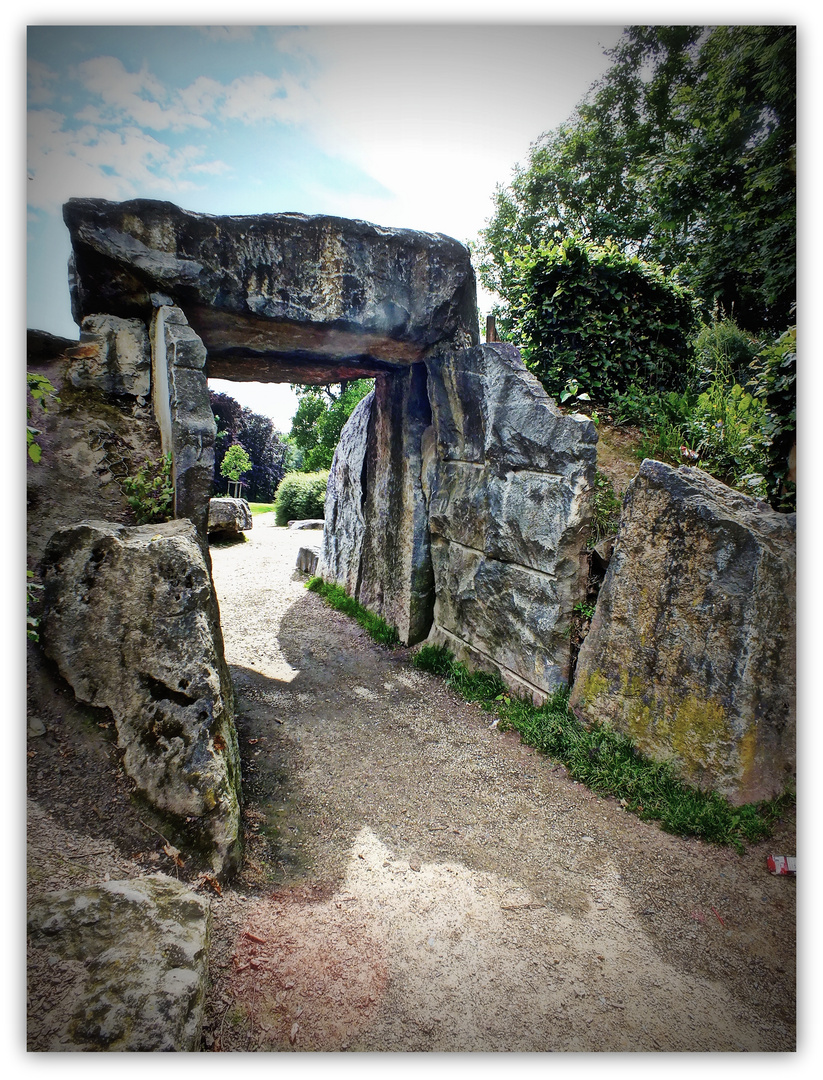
x=317 y=296
x=131 y=620
x=119 y=966
x=229 y=516
x=307 y=523
x=691 y=650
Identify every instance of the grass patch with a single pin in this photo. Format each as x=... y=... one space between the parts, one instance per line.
x=608 y=763
x=262 y=508
x=339 y=599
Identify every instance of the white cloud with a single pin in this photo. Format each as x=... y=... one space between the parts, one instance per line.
x=255 y=98
x=100 y=163
x=40 y=82
x=228 y=33
x=134 y=97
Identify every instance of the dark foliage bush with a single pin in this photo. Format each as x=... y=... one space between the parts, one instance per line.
x=590 y=314
x=255 y=433
x=300 y=496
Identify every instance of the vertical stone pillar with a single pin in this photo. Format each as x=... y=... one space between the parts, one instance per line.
x=180 y=396
x=510 y=481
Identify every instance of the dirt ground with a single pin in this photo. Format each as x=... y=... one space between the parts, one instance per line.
x=416 y=880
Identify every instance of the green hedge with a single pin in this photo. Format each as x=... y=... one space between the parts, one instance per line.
x=592 y=316
x=300 y=496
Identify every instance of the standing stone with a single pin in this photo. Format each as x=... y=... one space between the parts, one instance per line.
x=131 y=620
x=129 y=960
x=509 y=481
x=691 y=649
x=396 y=578
x=345 y=522
x=180 y=395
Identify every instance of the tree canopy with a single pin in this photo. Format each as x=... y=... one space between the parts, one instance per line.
x=319 y=419
x=239 y=424
x=683 y=154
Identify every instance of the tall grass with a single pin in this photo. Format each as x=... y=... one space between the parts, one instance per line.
x=339 y=599
x=608 y=762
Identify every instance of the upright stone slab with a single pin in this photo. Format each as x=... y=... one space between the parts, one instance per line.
x=180 y=395
x=345 y=522
x=691 y=650
x=509 y=483
x=128 y=961
x=376 y=537
x=131 y=620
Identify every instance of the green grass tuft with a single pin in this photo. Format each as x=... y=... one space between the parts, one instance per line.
x=337 y=597
x=608 y=762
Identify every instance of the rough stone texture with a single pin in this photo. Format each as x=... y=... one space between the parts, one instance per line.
x=345 y=522
x=508 y=480
x=131 y=957
x=275 y=295
x=307 y=523
x=691 y=649
x=230 y=516
x=180 y=394
x=396 y=579
x=376 y=539
x=308 y=558
x=113 y=356
x=130 y=618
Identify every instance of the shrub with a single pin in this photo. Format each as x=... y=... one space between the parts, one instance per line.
x=721 y=346
x=301 y=495
x=774 y=372
x=150 y=492
x=602 y=319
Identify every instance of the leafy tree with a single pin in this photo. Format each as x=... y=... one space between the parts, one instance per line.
x=266 y=449
x=320 y=418
x=684 y=153
x=235 y=462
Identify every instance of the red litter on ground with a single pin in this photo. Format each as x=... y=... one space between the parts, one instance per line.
x=781 y=864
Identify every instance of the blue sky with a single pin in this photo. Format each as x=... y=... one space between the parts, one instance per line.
x=404 y=125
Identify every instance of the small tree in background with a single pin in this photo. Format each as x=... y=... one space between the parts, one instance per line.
x=256 y=434
x=234 y=464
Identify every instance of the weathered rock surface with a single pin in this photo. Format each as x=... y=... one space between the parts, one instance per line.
x=229 y=516
x=180 y=395
x=275 y=295
x=508 y=480
x=396 y=579
x=345 y=521
x=131 y=620
x=113 y=356
x=130 y=959
x=307 y=523
x=376 y=539
x=691 y=649
x=308 y=557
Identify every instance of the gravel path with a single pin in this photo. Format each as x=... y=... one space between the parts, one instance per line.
x=417 y=880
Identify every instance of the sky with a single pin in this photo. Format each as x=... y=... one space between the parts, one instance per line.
x=404 y=125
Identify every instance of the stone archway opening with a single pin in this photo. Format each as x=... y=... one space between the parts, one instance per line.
x=460 y=495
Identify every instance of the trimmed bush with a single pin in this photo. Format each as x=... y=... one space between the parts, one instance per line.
x=300 y=496
x=591 y=318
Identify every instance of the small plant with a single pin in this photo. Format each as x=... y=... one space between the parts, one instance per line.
x=585 y=611
x=337 y=597
x=572 y=390
x=436 y=659
x=235 y=463
x=40 y=389
x=150 y=492
x=606 y=510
